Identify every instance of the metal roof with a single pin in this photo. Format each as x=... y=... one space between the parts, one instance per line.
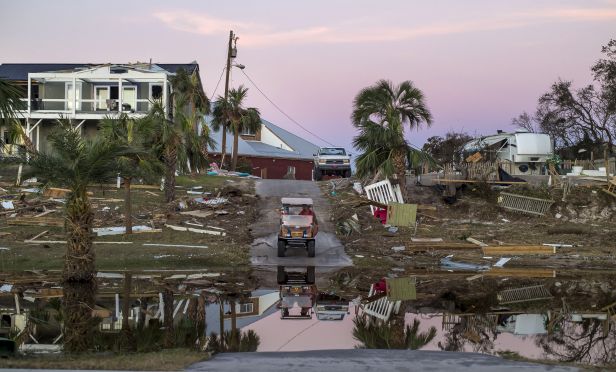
x=19 y=71
x=302 y=149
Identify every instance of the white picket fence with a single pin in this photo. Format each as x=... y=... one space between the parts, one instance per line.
x=381 y=308
x=383 y=192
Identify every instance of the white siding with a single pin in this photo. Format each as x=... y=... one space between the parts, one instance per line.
x=269 y=138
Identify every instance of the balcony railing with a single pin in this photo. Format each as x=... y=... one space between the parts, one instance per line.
x=91 y=106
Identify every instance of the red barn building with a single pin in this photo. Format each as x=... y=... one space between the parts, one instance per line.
x=272 y=152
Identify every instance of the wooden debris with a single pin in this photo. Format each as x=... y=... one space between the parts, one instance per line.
x=440 y=245
x=41 y=221
x=39 y=235
x=45 y=213
x=519 y=250
x=521 y=272
x=199 y=231
x=524 y=294
x=151 y=193
x=474 y=158
x=173 y=245
x=474 y=277
x=422 y=240
x=198 y=213
x=477 y=242
x=524 y=204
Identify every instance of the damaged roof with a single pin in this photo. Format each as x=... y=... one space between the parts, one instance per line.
x=19 y=71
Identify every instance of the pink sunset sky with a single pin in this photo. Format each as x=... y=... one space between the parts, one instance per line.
x=479 y=63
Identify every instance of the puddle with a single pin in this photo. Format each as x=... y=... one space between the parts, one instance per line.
x=567 y=318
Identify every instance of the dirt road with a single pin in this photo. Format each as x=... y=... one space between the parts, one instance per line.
x=329 y=250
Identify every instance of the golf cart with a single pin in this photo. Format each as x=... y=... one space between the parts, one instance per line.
x=297 y=292
x=298 y=225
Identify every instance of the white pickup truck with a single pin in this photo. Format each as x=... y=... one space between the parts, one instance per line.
x=332 y=161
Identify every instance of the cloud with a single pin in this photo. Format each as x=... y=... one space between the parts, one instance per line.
x=255 y=34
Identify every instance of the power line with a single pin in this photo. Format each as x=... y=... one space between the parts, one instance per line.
x=219 y=79
x=284 y=113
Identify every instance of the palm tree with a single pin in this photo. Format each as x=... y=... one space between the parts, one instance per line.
x=232 y=114
x=77 y=163
x=392 y=108
x=140 y=163
x=167 y=142
x=189 y=92
x=393 y=335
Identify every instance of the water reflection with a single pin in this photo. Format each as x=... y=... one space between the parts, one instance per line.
x=305 y=308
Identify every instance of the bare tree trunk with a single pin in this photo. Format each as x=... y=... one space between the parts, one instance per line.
x=169 y=340
x=77 y=305
x=127 y=341
x=200 y=320
x=128 y=206
x=236 y=136
x=234 y=343
x=170 y=159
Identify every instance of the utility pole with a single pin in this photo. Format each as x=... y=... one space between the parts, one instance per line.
x=230 y=55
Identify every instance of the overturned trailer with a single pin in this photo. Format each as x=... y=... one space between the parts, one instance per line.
x=526 y=152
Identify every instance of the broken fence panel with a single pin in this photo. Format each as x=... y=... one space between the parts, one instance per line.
x=383 y=192
x=524 y=204
x=381 y=308
x=524 y=294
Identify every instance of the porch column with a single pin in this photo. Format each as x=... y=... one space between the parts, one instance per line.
x=38 y=136
x=120 y=95
x=29 y=93
x=28 y=134
x=74 y=96
x=165 y=105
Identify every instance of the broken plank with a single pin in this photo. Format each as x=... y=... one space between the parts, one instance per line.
x=151 y=193
x=519 y=250
x=173 y=245
x=41 y=221
x=521 y=272
x=39 y=235
x=64 y=242
x=477 y=242
x=199 y=231
x=45 y=213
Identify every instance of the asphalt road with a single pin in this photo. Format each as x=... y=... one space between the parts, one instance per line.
x=357 y=360
x=329 y=250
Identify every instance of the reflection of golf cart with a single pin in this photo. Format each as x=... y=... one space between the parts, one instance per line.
x=298 y=225
x=297 y=291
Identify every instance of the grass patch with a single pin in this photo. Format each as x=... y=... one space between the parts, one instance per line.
x=165 y=360
x=206 y=181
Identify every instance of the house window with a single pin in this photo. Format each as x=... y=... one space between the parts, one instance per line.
x=245 y=308
x=248 y=132
x=156 y=92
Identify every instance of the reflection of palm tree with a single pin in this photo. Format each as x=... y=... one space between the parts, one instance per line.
x=390 y=335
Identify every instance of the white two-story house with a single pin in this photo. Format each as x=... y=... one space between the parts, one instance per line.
x=86 y=93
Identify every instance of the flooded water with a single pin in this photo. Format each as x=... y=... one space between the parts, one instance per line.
x=292 y=308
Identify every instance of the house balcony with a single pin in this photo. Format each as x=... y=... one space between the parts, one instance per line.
x=95 y=93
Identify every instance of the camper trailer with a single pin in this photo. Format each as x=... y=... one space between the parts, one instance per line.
x=528 y=152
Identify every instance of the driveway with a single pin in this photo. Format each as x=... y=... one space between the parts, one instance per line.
x=367 y=360
x=329 y=250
